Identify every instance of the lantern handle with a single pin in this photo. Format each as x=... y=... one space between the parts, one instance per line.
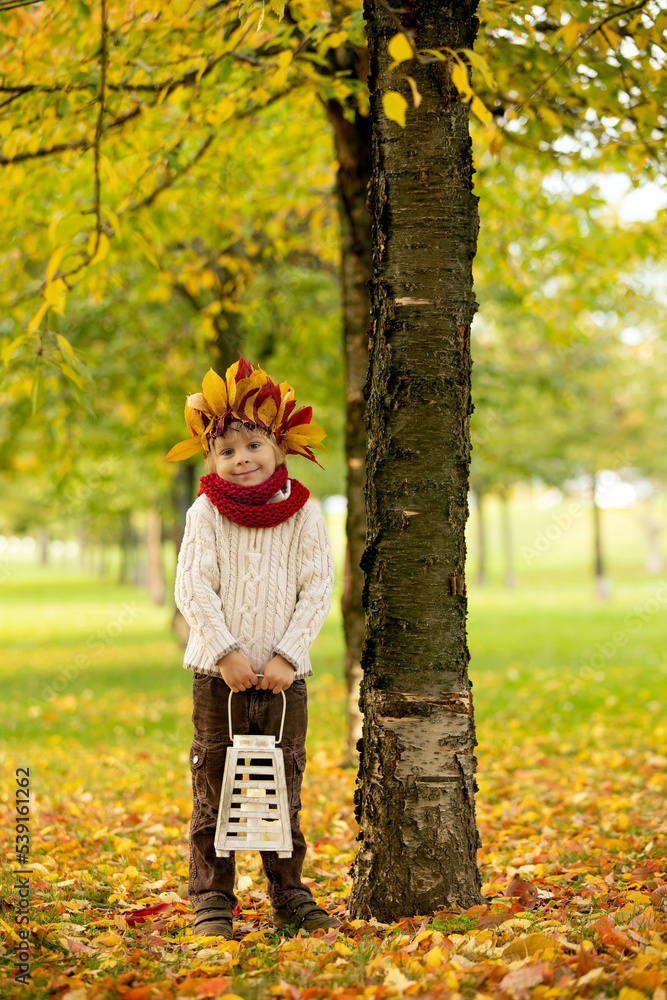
x=282 y=721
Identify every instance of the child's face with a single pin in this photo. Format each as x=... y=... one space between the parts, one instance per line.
x=244 y=460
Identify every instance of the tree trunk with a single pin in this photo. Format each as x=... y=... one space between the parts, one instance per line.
x=416 y=784
x=154 y=557
x=43 y=548
x=655 y=562
x=128 y=551
x=481 y=540
x=508 y=548
x=353 y=151
x=602 y=581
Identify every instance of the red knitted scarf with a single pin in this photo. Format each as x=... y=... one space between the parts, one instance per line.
x=248 y=505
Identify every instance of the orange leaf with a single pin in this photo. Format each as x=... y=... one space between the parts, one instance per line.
x=184 y=449
x=214 y=987
x=138 y=993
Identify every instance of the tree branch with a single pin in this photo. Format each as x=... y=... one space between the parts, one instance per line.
x=97 y=143
x=171 y=178
x=191 y=77
x=11 y=4
x=61 y=147
x=582 y=41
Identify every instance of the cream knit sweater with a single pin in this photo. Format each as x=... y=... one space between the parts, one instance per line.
x=259 y=590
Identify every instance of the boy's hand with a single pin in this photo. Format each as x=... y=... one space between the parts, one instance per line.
x=237 y=671
x=278 y=675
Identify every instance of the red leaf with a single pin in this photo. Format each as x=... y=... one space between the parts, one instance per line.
x=524 y=891
x=137 y=916
x=302 y=416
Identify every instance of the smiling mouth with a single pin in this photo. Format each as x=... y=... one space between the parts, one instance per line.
x=247 y=473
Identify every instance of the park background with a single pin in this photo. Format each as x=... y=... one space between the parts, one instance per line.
x=566 y=576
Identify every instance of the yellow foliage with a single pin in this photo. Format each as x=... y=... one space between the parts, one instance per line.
x=460 y=80
x=395 y=106
x=399 y=49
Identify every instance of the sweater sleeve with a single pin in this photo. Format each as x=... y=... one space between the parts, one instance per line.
x=315 y=582
x=197 y=588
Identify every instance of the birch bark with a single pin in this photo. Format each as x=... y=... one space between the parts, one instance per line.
x=416 y=784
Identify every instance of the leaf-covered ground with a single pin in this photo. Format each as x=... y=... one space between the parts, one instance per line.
x=571 y=815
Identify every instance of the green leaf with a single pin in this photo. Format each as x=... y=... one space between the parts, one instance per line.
x=70 y=374
x=38 y=391
x=278 y=8
x=480 y=63
x=65 y=348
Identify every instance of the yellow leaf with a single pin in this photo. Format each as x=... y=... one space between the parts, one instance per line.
x=72 y=375
x=278 y=8
x=10 y=931
x=480 y=109
x=55 y=294
x=416 y=96
x=627 y=993
x=146 y=249
x=215 y=392
x=434 y=958
x=639 y=898
x=54 y=261
x=113 y=219
x=109 y=940
x=531 y=944
x=66 y=349
x=267 y=411
x=399 y=49
x=102 y=247
x=225 y=109
x=184 y=449
x=550 y=117
x=396 y=980
x=336 y=39
x=571 y=33
x=395 y=106
x=38 y=317
x=460 y=80
x=284 y=58
x=9 y=348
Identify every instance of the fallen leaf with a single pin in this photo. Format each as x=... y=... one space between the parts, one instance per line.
x=524 y=891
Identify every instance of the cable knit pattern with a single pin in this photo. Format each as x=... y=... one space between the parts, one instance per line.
x=259 y=590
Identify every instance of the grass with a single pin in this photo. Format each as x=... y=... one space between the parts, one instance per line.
x=85 y=659
x=569 y=699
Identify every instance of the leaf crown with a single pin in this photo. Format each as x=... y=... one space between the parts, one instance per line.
x=247 y=394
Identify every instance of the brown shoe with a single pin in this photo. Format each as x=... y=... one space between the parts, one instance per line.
x=213 y=918
x=303 y=911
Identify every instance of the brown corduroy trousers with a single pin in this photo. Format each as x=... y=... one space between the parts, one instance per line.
x=253 y=712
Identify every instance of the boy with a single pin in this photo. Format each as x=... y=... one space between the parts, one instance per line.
x=254 y=582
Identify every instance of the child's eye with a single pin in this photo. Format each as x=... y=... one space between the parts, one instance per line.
x=254 y=444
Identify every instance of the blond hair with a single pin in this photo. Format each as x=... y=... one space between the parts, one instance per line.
x=237 y=429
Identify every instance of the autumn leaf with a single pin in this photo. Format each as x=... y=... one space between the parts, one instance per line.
x=395 y=106
x=524 y=891
x=399 y=49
